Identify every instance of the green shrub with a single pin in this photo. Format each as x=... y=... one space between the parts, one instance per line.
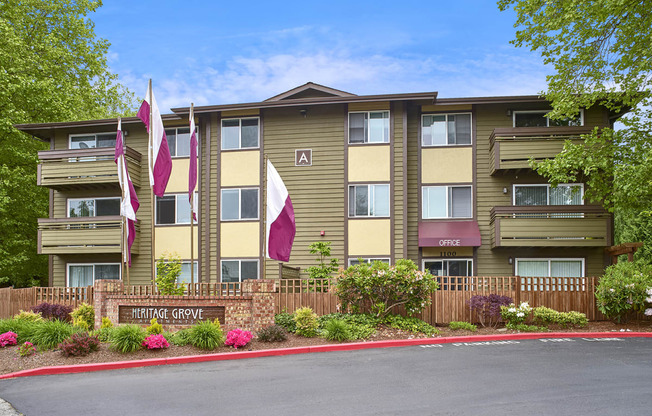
x=455 y=325
x=527 y=328
x=154 y=328
x=168 y=269
x=272 y=333
x=337 y=330
x=180 y=338
x=361 y=326
x=84 y=317
x=205 y=335
x=515 y=315
x=23 y=328
x=106 y=323
x=306 y=321
x=29 y=316
x=49 y=334
x=79 y=344
x=385 y=287
x=286 y=320
x=410 y=324
x=573 y=319
x=545 y=316
x=623 y=289
x=127 y=338
x=103 y=334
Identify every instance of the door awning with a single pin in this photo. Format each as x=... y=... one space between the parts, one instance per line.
x=449 y=234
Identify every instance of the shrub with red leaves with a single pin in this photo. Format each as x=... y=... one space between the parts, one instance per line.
x=79 y=344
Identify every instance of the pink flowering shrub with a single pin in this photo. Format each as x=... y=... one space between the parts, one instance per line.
x=238 y=338
x=155 y=342
x=26 y=349
x=8 y=338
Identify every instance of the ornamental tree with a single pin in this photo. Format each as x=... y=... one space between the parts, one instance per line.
x=383 y=288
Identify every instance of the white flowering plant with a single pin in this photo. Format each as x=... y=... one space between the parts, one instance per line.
x=515 y=315
x=624 y=289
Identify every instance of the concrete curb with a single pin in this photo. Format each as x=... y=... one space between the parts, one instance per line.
x=83 y=368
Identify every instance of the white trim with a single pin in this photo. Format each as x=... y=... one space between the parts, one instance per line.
x=176 y=142
x=423 y=204
x=368 y=259
x=240 y=269
x=240 y=204
x=366 y=140
x=442 y=259
x=446 y=124
x=548 y=186
x=549 y=260
x=239 y=133
x=89 y=199
x=368 y=185
x=543 y=112
x=91 y=264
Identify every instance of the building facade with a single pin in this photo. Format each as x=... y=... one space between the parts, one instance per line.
x=445 y=182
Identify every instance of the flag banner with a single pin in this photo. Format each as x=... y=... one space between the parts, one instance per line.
x=281 y=226
x=129 y=204
x=160 y=165
x=192 y=174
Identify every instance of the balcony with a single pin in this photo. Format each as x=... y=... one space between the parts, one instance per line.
x=86 y=235
x=512 y=148
x=85 y=168
x=550 y=226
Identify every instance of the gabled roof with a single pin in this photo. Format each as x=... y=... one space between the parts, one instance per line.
x=310 y=90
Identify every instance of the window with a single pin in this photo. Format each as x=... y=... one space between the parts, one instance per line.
x=445 y=129
x=240 y=133
x=239 y=204
x=369 y=127
x=544 y=194
x=452 y=274
x=92 y=141
x=550 y=267
x=178 y=141
x=447 y=202
x=369 y=201
x=537 y=118
x=80 y=275
x=173 y=209
x=93 y=207
x=234 y=271
x=358 y=260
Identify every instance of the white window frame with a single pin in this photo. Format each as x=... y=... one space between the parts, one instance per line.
x=239 y=204
x=550 y=260
x=448 y=214
x=176 y=142
x=240 y=269
x=366 y=127
x=369 y=203
x=239 y=133
x=90 y=264
x=446 y=124
x=548 y=186
x=544 y=112
x=71 y=136
x=431 y=259
x=368 y=260
x=88 y=199
x=176 y=218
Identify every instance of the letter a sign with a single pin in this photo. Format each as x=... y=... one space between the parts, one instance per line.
x=303 y=157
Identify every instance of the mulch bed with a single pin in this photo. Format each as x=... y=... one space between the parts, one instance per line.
x=11 y=362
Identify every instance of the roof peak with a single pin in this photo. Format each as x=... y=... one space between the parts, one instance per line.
x=310 y=90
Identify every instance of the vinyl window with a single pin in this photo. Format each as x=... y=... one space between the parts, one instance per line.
x=93 y=207
x=445 y=129
x=447 y=202
x=92 y=140
x=369 y=200
x=537 y=118
x=358 y=260
x=545 y=194
x=451 y=274
x=240 y=133
x=85 y=274
x=369 y=127
x=235 y=271
x=239 y=204
x=173 y=209
x=178 y=141
x=551 y=267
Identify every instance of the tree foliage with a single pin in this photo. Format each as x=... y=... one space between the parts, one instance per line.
x=601 y=52
x=52 y=68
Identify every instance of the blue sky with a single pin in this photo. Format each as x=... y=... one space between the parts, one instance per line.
x=215 y=52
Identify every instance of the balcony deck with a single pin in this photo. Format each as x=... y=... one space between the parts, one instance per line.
x=550 y=226
x=85 y=168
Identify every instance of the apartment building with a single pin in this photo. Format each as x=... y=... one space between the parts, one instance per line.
x=445 y=182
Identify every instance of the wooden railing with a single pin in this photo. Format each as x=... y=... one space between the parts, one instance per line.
x=196 y=289
x=550 y=226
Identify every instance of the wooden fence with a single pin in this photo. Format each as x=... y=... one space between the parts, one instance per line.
x=195 y=289
x=13 y=300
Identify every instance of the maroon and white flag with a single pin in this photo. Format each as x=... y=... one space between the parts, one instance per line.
x=129 y=204
x=160 y=165
x=281 y=227
x=192 y=174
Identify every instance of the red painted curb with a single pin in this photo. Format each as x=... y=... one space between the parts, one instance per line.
x=117 y=365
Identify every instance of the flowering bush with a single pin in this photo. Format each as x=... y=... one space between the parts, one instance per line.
x=8 y=338
x=623 y=289
x=79 y=344
x=238 y=338
x=648 y=300
x=155 y=342
x=384 y=287
x=514 y=316
x=26 y=349
x=488 y=308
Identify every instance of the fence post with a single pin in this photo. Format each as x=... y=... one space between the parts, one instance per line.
x=517 y=282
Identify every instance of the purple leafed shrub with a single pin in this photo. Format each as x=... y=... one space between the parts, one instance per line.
x=488 y=308
x=53 y=311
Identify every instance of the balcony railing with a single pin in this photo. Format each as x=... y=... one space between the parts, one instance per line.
x=550 y=226
x=512 y=148
x=87 y=235
x=84 y=168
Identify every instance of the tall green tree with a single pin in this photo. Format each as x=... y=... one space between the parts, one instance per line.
x=601 y=54
x=52 y=68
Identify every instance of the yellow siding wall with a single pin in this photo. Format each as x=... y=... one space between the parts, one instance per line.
x=179 y=177
x=369 y=163
x=175 y=240
x=240 y=168
x=369 y=237
x=240 y=239
x=446 y=165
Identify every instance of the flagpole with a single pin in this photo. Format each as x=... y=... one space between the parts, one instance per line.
x=192 y=216
x=264 y=222
x=151 y=169
x=125 y=224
